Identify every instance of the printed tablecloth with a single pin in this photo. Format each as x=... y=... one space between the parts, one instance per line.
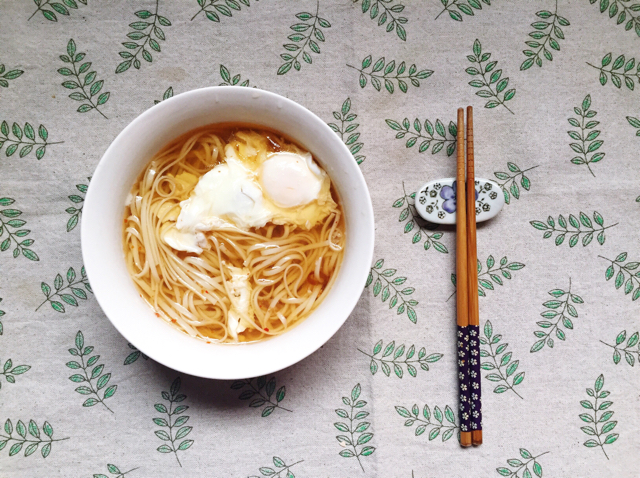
x=555 y=90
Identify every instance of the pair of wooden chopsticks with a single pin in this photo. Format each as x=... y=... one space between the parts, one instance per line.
x=467 y=289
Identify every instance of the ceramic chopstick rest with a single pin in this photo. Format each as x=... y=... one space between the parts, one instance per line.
x=436 y=200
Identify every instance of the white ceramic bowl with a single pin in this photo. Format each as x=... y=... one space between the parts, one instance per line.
x=103 y=215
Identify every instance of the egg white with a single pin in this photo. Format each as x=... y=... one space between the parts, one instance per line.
x=247 y=191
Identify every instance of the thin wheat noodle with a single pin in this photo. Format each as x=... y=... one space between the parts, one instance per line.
x=286 y=282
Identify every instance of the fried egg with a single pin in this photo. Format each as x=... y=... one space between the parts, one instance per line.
x=251 y=189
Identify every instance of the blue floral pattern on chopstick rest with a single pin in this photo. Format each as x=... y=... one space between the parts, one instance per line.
x=463 y=378
x=436 y=200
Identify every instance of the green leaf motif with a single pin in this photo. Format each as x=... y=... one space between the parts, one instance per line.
x=426 y=136
x=396 y=296
x=9 y=370
x=486 y=76
x=74 y=285
x=32 y=442
x=306 y=37
x=434 y=422
x=635 y=123
x=624 y=13
x=24 y=144
x=133 y=356
x=261 y=394
x=228 y=80
x=87 y=85
x=411 y=361
x=545 y=37
x=383 y=12
x=390 y=75
x=500 y=359
x=630 y=351
x=457 y=8
x=517 y=466
x=114 y=470
x=418 y=227
x=599 y=421
x=512 y=180
x=173 y=423
x=2 y=312
x=166 y=95
x=627 y=274
x=587 y=143
x=9 y=75
x=353 y=445
x=92 y=374
x=494 y=275
x=347 y=130
x=622 y=70
x=559 y=315
x=281 y=468
x=45 y=5
x=216 y=10
x=145 y=35
x=583 y=230
x=11 y=234
x=75 y=213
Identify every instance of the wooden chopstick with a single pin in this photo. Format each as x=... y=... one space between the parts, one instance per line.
x=462 y=290
x=474 y=316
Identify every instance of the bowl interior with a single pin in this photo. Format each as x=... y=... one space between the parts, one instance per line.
x=103 y=215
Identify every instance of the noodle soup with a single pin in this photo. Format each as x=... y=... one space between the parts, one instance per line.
x=233 y=234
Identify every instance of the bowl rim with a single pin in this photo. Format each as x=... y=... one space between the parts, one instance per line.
x=357 y=277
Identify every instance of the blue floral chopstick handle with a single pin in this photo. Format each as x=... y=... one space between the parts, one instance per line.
x=463 y=378
x=474 y=377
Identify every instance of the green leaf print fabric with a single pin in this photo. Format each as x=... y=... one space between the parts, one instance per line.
x=556 y=89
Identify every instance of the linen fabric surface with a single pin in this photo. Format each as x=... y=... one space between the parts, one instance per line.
x=558 y=267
